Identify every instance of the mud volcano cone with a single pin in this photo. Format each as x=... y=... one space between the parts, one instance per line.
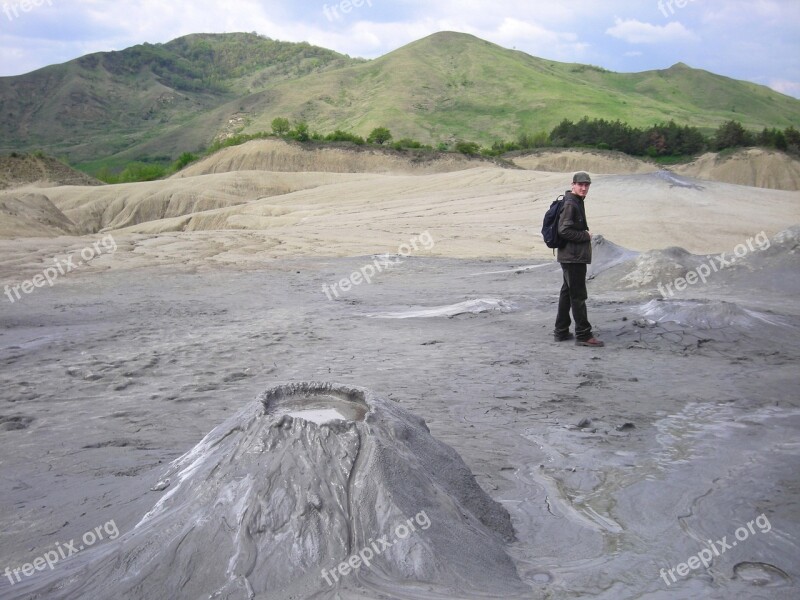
x=274 y=502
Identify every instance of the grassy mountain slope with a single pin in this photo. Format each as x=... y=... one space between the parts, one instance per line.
x=105 y=103
x=157 y=101
x=453 y=85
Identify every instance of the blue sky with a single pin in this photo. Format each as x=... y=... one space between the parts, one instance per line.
x=754 y=40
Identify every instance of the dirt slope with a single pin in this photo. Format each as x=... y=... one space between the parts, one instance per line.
x=22 y=169
x=754 y=167
x=565 y=161
x=280 y=156
x=473 y=213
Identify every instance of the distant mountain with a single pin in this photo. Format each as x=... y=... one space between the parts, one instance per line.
x=105 y=103
x=160 y=100
x=452 y=85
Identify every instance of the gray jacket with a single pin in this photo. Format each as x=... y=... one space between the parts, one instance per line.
x=573 y=228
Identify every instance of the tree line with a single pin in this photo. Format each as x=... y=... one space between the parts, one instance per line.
x=660 y=141
x=669 y=139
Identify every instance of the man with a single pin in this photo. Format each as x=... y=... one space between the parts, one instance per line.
x=574 y=257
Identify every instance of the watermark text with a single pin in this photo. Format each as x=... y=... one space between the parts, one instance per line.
x=667 y=7
x=50 y=274
x=62 y=552
x=367 y=272
x=345 y=6
x=376 y=548
x=706 y=556
x=716 y=264
x=13 y=9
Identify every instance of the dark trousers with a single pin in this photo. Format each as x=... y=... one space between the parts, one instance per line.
x=573 y=297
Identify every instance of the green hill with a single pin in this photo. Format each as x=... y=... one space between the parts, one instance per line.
x=158 y=101
x=109 y=102
x=452 y=85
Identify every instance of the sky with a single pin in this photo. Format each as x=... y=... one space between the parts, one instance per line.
x=753 y=40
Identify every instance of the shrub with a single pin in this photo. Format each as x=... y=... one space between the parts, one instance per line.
x=406 y=143
x=300 y=132
x=344 y=136
x=280 y=126
x=138 y=171
x=526 y=141
x=105 y=175
x=183 y=160
x=379 y=135
x=468 y=148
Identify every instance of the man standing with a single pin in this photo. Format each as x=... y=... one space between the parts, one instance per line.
x=574 y=257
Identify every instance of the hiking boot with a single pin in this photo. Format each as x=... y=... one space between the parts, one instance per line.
x=591 y=342
x=563 y=337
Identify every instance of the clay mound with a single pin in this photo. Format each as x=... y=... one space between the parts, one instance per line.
x=288 y=490
x=622 y=269
x=596 y=162
x=280 y=156
x=758 y=263
x=655 y=266
x=754 y=167
x=607 y=254
x=23 y=169
x=705 y=314
x=786 y=242
x=31 y=213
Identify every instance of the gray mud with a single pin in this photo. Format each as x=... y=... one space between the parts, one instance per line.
x=269 y=505
x=614 y=465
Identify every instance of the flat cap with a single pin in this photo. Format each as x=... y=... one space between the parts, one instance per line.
x=581 y=177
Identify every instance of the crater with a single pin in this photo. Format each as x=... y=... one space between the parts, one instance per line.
x=318 y=404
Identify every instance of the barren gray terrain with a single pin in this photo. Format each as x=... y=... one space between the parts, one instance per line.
x=621 y=468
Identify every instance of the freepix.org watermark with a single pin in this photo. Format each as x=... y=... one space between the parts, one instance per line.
x=50 y=274
x=706 y=556
x=12 y=9
x=376 y=548
x=716 y=264
x=62 y=552
x=669 y=5
x=367 y=272
x=345 y=6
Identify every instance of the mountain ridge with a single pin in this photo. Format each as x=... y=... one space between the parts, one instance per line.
x=153 y=102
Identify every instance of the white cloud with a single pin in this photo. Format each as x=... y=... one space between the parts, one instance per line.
x=733 y=13
x=365 y=39
x=536 y=39
x=636 y=32
x=372 y=39
x=790 y=88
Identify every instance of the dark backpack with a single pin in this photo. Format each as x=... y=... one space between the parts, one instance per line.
x=550 y=224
